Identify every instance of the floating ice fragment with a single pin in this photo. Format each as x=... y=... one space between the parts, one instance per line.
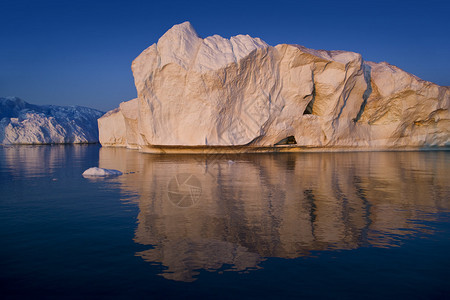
x=94 y=171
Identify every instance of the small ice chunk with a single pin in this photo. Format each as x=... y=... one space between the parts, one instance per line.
x=94 y=171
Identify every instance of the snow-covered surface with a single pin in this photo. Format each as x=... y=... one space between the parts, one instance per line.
x=25 y=123
x=94 y=171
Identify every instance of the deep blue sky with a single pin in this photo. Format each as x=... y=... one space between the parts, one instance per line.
x=80 y=52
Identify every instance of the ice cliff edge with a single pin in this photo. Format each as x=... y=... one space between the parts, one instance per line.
x=241 y=91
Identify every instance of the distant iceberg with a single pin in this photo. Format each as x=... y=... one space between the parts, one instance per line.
x=94 y=171
x=25 y=123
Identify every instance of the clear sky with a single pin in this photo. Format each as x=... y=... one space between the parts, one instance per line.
x=80 y=52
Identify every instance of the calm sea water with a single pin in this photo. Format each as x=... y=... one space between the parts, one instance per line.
x=307 y=225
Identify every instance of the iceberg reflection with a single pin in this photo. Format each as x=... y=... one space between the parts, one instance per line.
x=275 y=205
x=42 y=160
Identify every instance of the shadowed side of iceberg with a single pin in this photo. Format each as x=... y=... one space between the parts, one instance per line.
x=25 y=123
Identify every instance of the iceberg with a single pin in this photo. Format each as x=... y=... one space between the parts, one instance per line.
x=25 y=123
x=94 y=171
x=217 y=94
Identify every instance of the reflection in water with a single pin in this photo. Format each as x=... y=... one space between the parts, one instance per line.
x=41 y=160
x=245 y=208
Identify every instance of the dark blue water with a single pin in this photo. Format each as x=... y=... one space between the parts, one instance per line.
x=318 y=225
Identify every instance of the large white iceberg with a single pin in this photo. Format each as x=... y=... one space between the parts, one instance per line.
x=25 y=123
x=217 y=92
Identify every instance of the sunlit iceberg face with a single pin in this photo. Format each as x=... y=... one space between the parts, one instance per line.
x=194 y=92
